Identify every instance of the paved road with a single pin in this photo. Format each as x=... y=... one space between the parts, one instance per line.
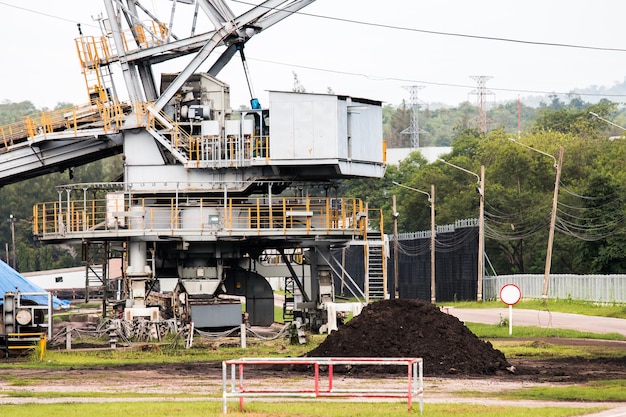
x=539 y=318
x=545 y=319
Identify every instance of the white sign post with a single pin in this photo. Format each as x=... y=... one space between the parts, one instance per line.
x=510 y=294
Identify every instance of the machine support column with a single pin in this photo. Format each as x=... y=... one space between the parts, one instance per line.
x=138 y=273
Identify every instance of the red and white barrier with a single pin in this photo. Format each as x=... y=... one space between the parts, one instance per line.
x=327 y=388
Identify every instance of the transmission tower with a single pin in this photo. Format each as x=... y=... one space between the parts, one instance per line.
x=481 y=93
x=414 y=129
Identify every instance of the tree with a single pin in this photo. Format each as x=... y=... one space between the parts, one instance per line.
x=599 y=226
x=19 y=199
x=576 y=119
x=398 y=121
x=14 y=112
x=519 y=187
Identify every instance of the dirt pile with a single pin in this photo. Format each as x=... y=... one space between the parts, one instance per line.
x=414 y=328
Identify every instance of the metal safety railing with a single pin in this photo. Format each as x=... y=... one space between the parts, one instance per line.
x=121 y=211
x=320 y=387
x=23 y=341
x=94 y=51
x=110 y=116
x=232 y=151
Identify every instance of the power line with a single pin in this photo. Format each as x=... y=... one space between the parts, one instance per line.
x=26 y=9
x=383 y=26
x=394 y=27
x=440 y=84
x=454 y=34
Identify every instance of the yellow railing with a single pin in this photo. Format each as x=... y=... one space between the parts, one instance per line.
x=231 y=151
x=375 y=218
x=112 y=115
x=92 y=50
x=26 y=341
x=44 y=123
x=146 y=36
x=252 y=215
x=160 y=121
x=261 y=146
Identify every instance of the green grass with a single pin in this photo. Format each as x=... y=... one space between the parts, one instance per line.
x=278 y=348
x=543 y=350
x=488 y=331
x=278 y=315
x=103 y=394
x=281 y=409
x=228 y=348
x=92 y=304
x=609 y=391
x=587 y=308
x=202 y=351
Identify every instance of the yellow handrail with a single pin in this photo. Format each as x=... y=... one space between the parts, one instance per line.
x=283 y=215
x=44 y=123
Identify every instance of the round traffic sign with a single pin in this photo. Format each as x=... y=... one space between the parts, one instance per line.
x=510 y=294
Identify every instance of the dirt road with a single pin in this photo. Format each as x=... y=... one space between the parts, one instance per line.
x=202 y=382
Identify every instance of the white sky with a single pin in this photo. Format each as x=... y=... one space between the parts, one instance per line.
x=39 y=61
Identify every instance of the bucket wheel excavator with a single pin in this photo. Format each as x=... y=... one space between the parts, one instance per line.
x=207 y=191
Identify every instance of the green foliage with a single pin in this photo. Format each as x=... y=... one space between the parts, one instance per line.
x=14 y=112
x=440 y=126
x=605 y=212
x=395 y=121
x=519 y=186
x=577 y=119
x=18 y=199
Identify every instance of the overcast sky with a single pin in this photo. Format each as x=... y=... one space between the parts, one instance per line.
x=328 y=48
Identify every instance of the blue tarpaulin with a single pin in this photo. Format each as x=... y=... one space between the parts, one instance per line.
x=12 y=281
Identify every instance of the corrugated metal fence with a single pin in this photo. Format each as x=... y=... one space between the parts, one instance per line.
x=598 y=288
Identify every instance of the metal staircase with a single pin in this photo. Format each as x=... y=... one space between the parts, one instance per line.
x=376 y=273
x=169 y=134
x=290 y=299
x=95 y=257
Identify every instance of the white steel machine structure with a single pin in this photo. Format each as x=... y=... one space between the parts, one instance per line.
x=206 y=190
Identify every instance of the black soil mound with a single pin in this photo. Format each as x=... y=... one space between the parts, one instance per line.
x=414 y=328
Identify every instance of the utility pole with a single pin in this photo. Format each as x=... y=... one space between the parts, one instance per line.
x=558 y=164
x=396 y=246
x=482 y=92
x=555 y=198
x=481 y=234
x=433 y=296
